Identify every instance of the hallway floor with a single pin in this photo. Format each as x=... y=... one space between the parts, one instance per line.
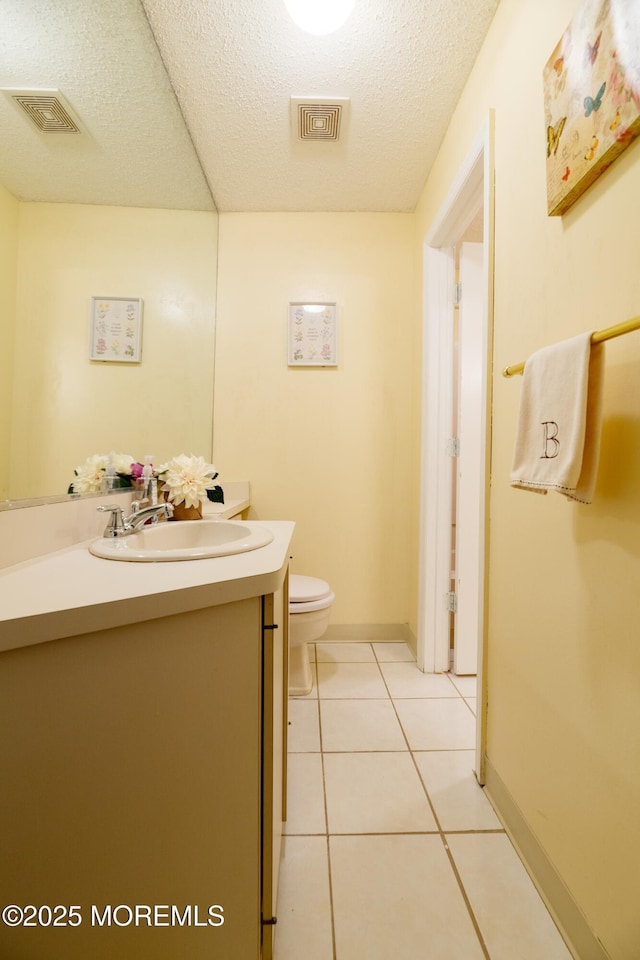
x=391 y=847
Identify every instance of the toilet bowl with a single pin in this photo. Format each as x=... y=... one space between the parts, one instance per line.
x=310 y=602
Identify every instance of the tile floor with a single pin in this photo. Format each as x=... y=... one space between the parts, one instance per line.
x=391 y=847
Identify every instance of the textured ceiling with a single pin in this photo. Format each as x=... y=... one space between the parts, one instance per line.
x=101 y=55
x=233 y=66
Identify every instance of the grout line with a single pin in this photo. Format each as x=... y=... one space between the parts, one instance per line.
x=333 y=924
x=400 y=833
x=438 y=827
x=472 y=915
x=469 y=707
x=391 y=750
x=457 y=876
x=450 y=833
x=441 y=834
x=326 y=820
x=447 y=674
x=440 y=831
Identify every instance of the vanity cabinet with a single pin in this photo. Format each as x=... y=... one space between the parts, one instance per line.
x=142 y=771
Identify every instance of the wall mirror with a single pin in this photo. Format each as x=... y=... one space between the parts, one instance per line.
x=119 y=209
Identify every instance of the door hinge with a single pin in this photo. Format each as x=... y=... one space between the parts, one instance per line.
x=451 y=602
x=453 y=447
x=270 y=626
x=457 y=293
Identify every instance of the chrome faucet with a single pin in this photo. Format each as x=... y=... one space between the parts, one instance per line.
x=121 y=526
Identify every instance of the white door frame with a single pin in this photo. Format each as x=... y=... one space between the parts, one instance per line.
x=471 y=190
x=469 y=463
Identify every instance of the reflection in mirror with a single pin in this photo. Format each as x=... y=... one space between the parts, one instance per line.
x=120 y=210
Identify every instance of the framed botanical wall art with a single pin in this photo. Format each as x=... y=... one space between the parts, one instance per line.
x=313 y=335
x=591 y=97
x=115 y=329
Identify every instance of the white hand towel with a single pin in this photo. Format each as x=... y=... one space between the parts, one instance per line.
x=559 y=421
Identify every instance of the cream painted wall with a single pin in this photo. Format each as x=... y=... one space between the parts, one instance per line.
x=329 y=448
x=65 y=407
x=564 y=613
x=8 y=259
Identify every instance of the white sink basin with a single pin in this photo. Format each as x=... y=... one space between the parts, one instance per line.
x=183 y=540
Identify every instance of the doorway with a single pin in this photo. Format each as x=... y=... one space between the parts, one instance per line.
x=464 y=502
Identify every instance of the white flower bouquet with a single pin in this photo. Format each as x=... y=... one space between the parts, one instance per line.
x=187 y=480
x=90 y=477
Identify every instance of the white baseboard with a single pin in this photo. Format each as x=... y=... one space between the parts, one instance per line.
x=369 y=633
x=579 y=937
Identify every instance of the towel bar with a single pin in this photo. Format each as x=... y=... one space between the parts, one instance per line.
x=597 y=337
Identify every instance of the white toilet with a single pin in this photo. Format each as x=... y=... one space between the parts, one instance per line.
x=310 y=602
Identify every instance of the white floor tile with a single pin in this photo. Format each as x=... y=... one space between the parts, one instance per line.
x=393 y=652
x=354 y=725
x=437 y=724
x=304 y=726
x=396 y=896
x=394 y=891
x=512 y=918
x=465 y=685
x=344 y=653
x=305 y=794
x=362 y=681
x=405 y=680
x=375 y=793
x=304 y=906
x=458 y=798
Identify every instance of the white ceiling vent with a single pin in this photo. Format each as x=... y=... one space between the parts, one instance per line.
x=47 y=109
x=319 y=119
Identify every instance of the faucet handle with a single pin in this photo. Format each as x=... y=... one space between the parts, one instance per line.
x=137 y=505
x=116 y=520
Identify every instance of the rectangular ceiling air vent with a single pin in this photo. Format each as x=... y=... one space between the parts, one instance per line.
x=47 y=109
x=319 y=119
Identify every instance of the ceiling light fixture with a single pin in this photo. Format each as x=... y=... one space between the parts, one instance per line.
x=319 y=16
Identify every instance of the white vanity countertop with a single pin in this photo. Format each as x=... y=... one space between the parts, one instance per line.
x=70 y=592
x=236 y=499
x=224 y=511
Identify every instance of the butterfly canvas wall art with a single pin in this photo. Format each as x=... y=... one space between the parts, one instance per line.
x=591 y=97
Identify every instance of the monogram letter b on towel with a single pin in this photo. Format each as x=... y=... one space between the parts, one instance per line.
x=551 y=444
x=558 y=437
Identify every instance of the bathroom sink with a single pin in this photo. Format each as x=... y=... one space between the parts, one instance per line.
x=183 y=540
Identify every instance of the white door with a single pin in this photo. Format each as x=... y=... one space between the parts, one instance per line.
x=471 y=468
